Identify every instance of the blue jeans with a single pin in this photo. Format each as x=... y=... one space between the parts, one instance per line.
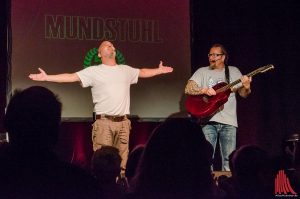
x=227 y=140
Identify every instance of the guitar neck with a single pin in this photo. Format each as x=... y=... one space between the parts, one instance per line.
x=259 y=70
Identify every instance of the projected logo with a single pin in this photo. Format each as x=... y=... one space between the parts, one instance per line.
x=283 y=187
x=92 y=58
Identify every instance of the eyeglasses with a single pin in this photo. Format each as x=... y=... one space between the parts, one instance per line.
x=215 y=55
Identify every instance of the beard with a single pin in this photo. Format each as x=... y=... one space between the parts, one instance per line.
x=112 y=55
x=212 y=64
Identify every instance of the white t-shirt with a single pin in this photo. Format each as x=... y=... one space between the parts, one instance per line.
x=205 y=77
x=110 y=87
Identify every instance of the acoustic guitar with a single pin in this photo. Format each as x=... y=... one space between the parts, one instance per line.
x=204 y=106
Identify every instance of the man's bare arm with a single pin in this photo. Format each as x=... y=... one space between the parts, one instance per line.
x=192 y=88
x=151 y=72
x=59 y=78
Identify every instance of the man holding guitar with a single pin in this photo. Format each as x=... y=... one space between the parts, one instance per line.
x=221 y=117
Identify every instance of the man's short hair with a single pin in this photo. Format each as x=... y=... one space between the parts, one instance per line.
x=33 y=117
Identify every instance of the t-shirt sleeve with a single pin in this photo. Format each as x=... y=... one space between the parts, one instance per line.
x=133 y=74
x=198 y=77
x=85 y=76
x=236 y=75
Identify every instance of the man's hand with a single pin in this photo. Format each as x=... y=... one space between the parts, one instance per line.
x=42 y=76
x=151 y=72
x=164 y=69
x=208 y=91
x=246 y=81
x=245 y=90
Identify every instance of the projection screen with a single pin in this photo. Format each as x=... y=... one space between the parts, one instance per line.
x=57 y=36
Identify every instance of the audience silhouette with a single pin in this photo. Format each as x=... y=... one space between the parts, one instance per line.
x=106 y=167
x=29 y=167
x=133 y=161
x=175 y=163
x=253 y=173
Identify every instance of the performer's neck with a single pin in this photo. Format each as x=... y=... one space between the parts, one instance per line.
x=109 y=62
x=217 y=67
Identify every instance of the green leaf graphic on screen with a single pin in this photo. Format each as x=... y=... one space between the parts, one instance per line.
x=92 y=58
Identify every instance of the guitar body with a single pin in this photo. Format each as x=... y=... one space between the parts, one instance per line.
x=204 y=106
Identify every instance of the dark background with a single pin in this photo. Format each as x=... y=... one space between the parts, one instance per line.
x=255 y=33
x=4 y=56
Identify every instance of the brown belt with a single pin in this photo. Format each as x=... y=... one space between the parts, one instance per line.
x=114 y=118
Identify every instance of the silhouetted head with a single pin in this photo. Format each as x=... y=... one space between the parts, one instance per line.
x=33 y=117
x=106 y=164
x=176 y=160
x=249 y=164
x=133 y=160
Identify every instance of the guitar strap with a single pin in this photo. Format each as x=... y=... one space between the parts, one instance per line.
x=227 y=76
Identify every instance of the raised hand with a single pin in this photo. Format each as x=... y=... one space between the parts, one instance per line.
x=164 y=69
x=42 y=76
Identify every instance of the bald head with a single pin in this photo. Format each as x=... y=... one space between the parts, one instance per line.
x=106 y=50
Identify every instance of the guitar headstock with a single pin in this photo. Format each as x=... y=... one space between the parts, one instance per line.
x=266 y=68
